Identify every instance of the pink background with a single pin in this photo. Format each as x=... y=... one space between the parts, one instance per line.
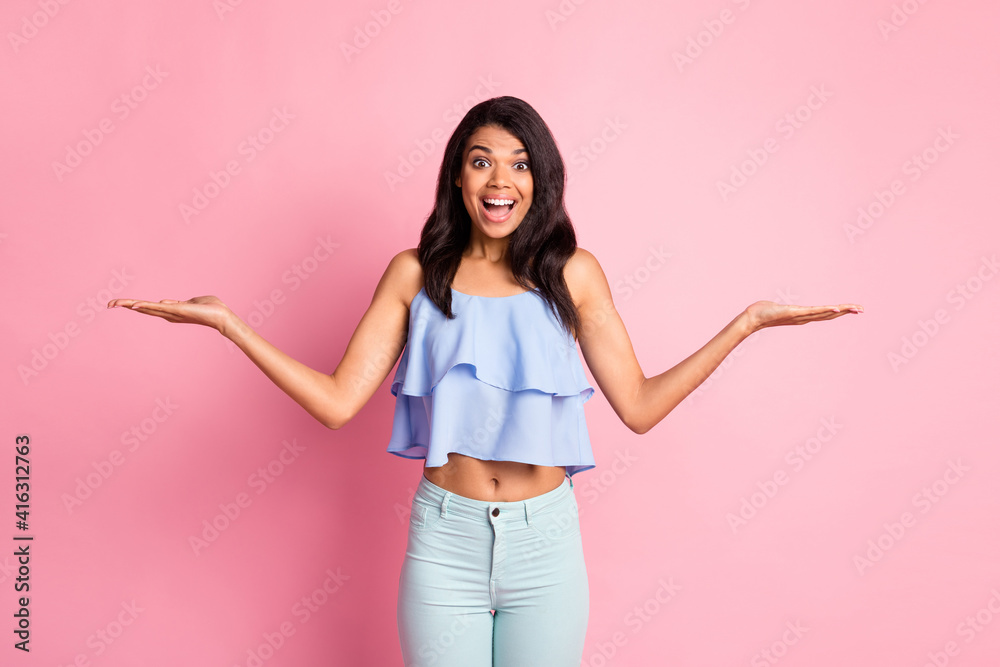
x=156 y=99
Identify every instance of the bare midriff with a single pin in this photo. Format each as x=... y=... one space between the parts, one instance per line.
x=498 y=481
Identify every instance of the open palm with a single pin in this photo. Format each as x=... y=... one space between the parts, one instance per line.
x=208 y=311
x=770 y=314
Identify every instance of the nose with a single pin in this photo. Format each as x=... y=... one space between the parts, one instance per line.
x=499 y=176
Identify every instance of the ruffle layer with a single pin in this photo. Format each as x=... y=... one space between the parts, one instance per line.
x=500 y=337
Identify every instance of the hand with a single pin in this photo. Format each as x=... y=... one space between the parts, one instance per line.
x=770 y=314
x=205 y=310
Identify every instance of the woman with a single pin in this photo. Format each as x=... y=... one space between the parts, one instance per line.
x=486 y=314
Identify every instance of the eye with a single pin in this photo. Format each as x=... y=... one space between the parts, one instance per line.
x=476 y=161
x=523 y=164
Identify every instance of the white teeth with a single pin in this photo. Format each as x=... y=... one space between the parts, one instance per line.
x=499 y=202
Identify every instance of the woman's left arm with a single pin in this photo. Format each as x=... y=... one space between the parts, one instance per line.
x=641 y=402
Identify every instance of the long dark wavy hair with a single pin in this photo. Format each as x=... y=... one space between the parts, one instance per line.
x=540 y=246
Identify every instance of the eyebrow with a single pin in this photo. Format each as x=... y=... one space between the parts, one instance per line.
x=516 y=151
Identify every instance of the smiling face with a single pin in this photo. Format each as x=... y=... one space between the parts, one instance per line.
x=496 y=181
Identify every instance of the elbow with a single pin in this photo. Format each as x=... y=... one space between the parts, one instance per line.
x=636 y=418
x=335 y=420
x=338 y=417
x=338 y=409
x=637 y=426
x=640 y=430
x=336 y=424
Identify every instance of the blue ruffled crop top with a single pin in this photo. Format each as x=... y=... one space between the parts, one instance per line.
x=502 y=381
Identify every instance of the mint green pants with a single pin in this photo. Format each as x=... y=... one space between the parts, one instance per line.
x=493 y=584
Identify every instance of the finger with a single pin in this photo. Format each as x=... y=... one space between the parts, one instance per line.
x=131 y=303
x=159 y=306
x=846 y=308
x=146 y=311
x=139 y=309
x=120 y=303
x=147 y=308
x=829 y=315
x=812 y=311
x=854 y=307
x=153 y=308
x=816 y=314
x=170 y=317
x=838 y=309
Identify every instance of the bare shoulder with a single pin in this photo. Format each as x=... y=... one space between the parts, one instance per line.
x=585 y=278
x=404 y=276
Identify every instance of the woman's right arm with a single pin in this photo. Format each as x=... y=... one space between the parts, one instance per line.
x=371 y=353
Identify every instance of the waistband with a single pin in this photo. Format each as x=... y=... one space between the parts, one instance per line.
x=454 y=504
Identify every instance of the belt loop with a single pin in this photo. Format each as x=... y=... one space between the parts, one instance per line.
x=570 y=481
x=444 y=504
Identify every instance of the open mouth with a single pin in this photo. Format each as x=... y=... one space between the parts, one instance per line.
x=498 y=209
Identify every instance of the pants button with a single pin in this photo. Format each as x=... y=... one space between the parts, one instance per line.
x=496 y=511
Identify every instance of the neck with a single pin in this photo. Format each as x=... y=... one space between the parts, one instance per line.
x=488 y=249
